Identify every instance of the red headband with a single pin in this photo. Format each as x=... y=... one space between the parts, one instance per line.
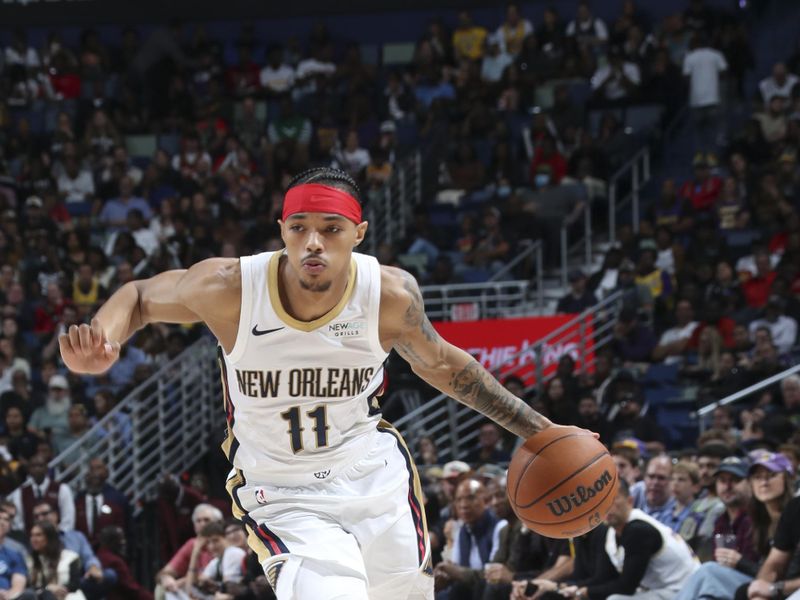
x=314 y=197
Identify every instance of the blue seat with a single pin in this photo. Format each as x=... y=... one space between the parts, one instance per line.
x=643 y=118
x=658 y=374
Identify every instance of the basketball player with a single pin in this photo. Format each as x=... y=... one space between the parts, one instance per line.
x=328 y=491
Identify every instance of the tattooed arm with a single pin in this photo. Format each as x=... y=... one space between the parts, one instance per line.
x=406 y=328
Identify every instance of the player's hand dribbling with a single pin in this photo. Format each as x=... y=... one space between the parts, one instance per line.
x=85 y=349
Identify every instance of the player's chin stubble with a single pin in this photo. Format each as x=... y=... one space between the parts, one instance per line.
x=316 y=286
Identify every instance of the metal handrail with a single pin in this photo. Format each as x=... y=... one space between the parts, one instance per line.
x=638 y=166
x=164 y=425
x=756 y=387
x=389 y=209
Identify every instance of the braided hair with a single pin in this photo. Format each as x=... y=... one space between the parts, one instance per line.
x=328 y=176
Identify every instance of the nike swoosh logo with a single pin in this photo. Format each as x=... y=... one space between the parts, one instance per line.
x=265 y=331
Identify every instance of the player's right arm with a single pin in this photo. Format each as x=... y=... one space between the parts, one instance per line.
x=209 y=291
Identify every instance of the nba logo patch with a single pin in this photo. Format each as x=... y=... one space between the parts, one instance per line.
x=261 y=497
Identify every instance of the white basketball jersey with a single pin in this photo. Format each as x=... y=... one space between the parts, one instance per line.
x=301 y=398
x=669 y=568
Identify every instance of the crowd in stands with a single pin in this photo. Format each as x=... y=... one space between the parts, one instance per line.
x=709 y=279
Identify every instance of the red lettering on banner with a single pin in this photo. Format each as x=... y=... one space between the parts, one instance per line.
x=509 y=344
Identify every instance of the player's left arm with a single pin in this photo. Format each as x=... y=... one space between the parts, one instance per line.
x=449 y=369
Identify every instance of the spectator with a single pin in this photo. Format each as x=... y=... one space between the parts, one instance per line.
x=773 y=122
x=476 y=541
x=115 y=212
x=685 y=486
x=756 y=289
x=45 y=513
x=587 y=32
x=489 y=450
x=627 y=461
x=513 y=30
x=276 y=77
x=779 y=83
x=659 y=502
x=703 y=66
x=77 y=427
x=289 y=135
x=547 y=154
x=352 y=158
x=633 y=340
x=21 y=442
x=50 y=421
x=468 y=38
x=579 y=298
x=112 y=553
x=95 y=510
x=495 y=60
x=773 y=487
x=782 y=327
x=224 y=569
x=644 y=552
x=39 y=487
x=172 y=577
x=53 y=569
x=76 y=187
x=677 y=340
x=14 y=578
x=616 y=82
x=704 y=188
x=734 y=554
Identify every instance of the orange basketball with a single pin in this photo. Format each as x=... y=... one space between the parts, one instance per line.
x=561 y=482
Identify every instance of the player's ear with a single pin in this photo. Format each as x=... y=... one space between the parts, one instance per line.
x=361 y=232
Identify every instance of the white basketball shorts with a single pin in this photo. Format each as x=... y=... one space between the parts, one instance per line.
x=360 y=535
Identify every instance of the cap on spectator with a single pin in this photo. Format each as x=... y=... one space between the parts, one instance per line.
x=34 y=202
x=455 y=468
x=735 y=466
x=627 y=265
x=575 y=275
x=701 y=159
x=434 y=473
x=388 y=127
x=774 y=461
x=633 y=444
x=775 y=301
x=491 y=471
x=58 y=382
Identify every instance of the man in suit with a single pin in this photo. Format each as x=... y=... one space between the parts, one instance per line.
x=40 y=488
x=98 y=505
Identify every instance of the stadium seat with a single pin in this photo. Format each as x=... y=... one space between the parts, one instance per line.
x=643 y=118
x=140 y=146
x=398 y=53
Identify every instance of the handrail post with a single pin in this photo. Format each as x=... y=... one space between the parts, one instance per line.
x=587 y=234
x=635 y=196
x=646 y=163
x=539 y=276
x=387 y=214
x=564 y=252
x=582 y=344
x=402 y=204
x=452 y=418
x=612 y=211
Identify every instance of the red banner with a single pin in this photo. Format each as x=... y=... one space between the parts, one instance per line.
x=508 y=344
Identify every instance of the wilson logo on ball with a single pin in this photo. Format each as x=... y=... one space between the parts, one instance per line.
x=564 y=504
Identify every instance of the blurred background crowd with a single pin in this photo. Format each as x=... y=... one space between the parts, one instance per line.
x=125 y=155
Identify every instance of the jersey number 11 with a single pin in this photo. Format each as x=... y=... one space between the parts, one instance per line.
x=320 y=417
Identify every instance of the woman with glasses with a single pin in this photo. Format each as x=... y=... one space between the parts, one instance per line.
x=770 y=478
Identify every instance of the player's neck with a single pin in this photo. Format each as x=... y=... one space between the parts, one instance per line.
x=304 y=304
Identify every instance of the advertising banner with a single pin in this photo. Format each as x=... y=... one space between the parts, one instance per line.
x=509 y=345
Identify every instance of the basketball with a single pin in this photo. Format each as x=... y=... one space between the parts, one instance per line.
x=561 y=482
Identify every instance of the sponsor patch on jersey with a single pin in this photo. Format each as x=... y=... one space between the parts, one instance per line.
x=261 y=497
x=343 y=329
x=322 y=474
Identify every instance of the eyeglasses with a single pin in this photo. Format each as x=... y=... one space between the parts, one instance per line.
x=656 y=477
